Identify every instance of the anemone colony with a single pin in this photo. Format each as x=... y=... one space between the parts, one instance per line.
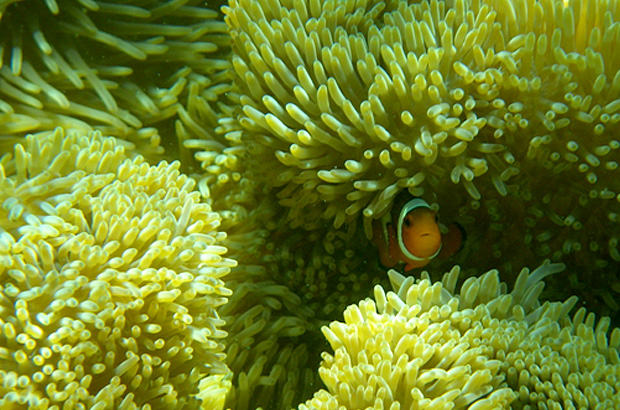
x=359 y=100
x=111 y=278
x=422 y=348
x=187 y=195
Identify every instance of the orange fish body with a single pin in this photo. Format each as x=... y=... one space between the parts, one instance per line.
x=411 y=234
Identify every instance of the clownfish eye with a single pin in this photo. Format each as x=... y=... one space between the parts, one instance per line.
x=407 y=221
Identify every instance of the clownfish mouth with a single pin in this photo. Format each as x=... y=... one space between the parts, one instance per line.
x=427 y=236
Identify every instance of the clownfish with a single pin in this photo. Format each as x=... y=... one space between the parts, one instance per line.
x=411 y=234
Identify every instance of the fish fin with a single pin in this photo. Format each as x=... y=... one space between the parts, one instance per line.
x=416 y=264
x=381 y=239
x=453 y=241
x=393 y=248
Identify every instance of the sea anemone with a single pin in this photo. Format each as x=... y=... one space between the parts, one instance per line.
x=353 y=102
x=267 y=322
x=128 y=70
x=426 y=346
x=110 y=279
x=504 y=114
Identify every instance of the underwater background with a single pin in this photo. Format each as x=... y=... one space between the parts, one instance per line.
x=188 y=192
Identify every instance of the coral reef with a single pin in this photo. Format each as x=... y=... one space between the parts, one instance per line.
x=426 y=346
x=110 y=278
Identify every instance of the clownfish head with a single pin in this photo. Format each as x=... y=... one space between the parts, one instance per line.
x=419 y=238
